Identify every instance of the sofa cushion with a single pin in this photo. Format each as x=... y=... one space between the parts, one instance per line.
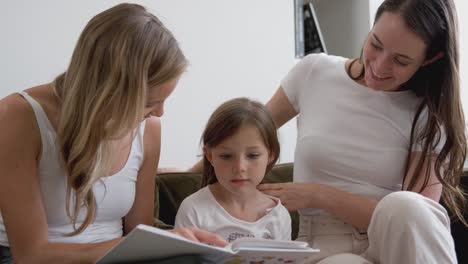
x=173 y=188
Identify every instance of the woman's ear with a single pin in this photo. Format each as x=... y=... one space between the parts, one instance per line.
x=431 y=60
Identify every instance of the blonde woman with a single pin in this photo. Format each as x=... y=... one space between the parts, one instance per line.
x=79 y=154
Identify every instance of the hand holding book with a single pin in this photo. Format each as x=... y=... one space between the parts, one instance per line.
x=149 y=243
x=196 y=234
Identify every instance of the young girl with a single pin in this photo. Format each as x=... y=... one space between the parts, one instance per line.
x=240 y=147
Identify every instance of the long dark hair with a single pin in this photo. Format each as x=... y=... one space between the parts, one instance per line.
x=227 y=119
x=438 y=85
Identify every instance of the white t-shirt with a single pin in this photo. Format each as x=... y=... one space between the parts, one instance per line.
x=349 y=136
x=203 y=211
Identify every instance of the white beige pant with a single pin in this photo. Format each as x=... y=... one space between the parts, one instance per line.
x=406 y=227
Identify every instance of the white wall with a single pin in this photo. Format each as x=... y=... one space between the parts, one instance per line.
x=462 y=8
x=344 y=25
x=373 y=6
x=236 y=48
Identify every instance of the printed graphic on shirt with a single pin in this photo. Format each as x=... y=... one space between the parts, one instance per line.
x=236 y=235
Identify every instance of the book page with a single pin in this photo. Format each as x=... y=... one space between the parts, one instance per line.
x=146 y=243
x=270 y=256
x=248 y=242
x=257 y=250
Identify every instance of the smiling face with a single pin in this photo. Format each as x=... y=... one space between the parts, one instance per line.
x=240 y=161
x=156 y=97
x=392 y=53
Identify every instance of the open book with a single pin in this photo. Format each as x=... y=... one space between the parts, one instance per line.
x=149 y=243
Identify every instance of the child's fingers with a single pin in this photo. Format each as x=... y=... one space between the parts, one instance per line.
x=186 y=233
x=209 y=238
x=199 y=235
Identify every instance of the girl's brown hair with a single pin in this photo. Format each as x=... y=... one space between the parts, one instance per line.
x=231 y=116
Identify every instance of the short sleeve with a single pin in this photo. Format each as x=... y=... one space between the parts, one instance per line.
x=186 y=215
x=420 y=125
x=296 y=79
x=286 y=231
x=284 y=225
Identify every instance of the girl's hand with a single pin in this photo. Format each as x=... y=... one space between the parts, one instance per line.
x=292 y=195
x=199 y=235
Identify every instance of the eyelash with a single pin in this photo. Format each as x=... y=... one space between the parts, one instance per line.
x=253 y=155
x=225 y=156
x=400 y=63
x=377 y=47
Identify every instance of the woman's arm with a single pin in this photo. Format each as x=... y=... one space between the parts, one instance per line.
x=433 y=189
x=280 y=108
x=142 y=211
x=351 y=208
x=20 y=197
x=197 y=168
x=143 y=206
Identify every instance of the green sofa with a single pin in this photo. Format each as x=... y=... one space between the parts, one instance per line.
x=172 y=188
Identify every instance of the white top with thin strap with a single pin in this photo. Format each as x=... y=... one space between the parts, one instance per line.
x=114 y=194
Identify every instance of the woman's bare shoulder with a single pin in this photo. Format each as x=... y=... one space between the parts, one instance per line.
x=15 y=105
x=18 y=122
x=14 y=108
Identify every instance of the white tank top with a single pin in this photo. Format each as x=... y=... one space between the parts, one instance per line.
x=114 y=194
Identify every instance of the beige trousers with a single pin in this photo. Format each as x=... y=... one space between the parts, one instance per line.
x=405 y=227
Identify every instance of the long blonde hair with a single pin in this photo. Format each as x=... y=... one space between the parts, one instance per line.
x=121 y=53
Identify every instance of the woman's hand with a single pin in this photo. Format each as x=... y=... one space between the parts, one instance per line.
x=170 y=170
x=292 y=195
x=351 y=208
x=199 y=235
